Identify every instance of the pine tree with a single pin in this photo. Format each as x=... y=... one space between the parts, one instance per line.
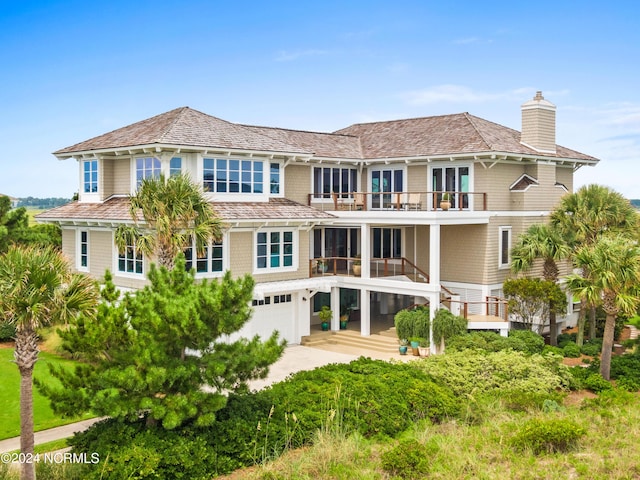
x=163 y=351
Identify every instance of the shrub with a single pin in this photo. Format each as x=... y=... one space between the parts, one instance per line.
x=596 y=383
x=628 y=384
x=533 y=342
x=550 y=349
x=627 y=365
x=408 y=459
x=565 y=338
x=592 y=347
x=7 y=331
x=548 y=436
x=469 y=372
x=519 y=401
x=447 y=325
x=571 y=350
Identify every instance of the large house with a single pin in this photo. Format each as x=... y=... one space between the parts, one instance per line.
x=353 y=219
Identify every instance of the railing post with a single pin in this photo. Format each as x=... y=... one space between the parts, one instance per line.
x=466 y=310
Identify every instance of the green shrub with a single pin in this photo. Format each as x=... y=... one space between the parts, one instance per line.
x=478 y=372
x=553 y=350
x=627 y=365
x=548 y=436
x=596 y=383
x=628 y=384
x=447 y=325
x=7 y=331
x=412 y=323
x=519 y=401
x=571 y=350
x=533 y=342
x=409 y=459
x=565 y=338
x=592 y=347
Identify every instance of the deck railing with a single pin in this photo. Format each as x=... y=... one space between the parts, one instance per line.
x=400 y=201
x=492 y=306
x=378 y=267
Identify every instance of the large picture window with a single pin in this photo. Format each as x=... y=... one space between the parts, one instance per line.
x=334 y=180
x=274 y=250
x=223 y=175
x=90 y=176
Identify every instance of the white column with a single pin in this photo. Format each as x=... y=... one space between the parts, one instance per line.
x=434 y=254
x=365 y=250
x=365 y=313
x=304 y=315
x=335 y=308
x=434 y=304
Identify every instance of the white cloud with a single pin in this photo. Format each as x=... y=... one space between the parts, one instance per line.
x=455 y=94
x=289 y=56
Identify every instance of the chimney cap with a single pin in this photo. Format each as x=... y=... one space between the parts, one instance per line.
x=538 y=102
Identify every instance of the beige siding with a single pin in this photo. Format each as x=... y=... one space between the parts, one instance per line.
x=69 y=245
x=495 y=182
x=463 y=250
x=417 y=178
x=122 y=176
x=539 y=128
x=564 y=175
x=101 y=251
x=241 y=246
x=416 y=246
x=297 y=183
x=106 y=179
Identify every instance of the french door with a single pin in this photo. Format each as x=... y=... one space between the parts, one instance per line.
x=454 y=180
x=383 y=183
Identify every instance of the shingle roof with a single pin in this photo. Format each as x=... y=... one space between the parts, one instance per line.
x=442 y=135
x=329 y=145
x=455 y=134
x=184 y=126
x=117 y=209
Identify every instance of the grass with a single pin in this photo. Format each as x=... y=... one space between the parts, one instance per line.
x=482 y=451
x=44 y=417
x=31 y=213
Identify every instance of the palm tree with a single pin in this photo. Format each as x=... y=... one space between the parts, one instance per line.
x=585 y=215
x=542 y=242
x=613 y=281
x=37 y=289
x=174 y=211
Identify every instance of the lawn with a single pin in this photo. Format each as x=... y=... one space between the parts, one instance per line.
x=10 y=391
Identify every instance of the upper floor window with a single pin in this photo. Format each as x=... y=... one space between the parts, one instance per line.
x=274 y=250
x=274 y=178
x=504 y=247
x=223 y=175
x=175 y=166
x=130 y=260
x=90 y=176
x=334 y=180
x=210 y=260
x=387 y=243
x=147 y=167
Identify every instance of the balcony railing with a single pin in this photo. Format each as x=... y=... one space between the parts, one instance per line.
x=378 y=268
x=491 y=307
x=401 y=201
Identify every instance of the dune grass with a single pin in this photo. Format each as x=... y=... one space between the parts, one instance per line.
x=10 y=392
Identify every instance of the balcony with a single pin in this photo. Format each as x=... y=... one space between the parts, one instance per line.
x=378 y=268
x=399 y=201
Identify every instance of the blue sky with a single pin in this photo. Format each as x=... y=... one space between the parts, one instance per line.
x=72 y=70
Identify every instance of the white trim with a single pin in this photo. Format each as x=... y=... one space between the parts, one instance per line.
x=295 y=239
x=501 y=229
x=281 y=183
x=78 y=235
x=534 y=184
x=225 y=259
x=89 y=197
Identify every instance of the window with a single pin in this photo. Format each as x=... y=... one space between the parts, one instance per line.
x=387 y=243
x=453 y=180
x=274 y=250
x=274 y=178
x=389 y=180
x=334 y=180
x=211 y=260
x=146 y=167
x=90 y=176
x=222 y=175
x=505 y=247
x=83 y=250
x=175 y=166
x=130 y=261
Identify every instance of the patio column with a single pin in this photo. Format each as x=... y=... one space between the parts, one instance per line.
x=365 y=312
x=434 y=254
x=335 y=308
x=434 y=304
x=365 y=250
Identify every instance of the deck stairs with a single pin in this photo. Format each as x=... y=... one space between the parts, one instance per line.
x=385 y=341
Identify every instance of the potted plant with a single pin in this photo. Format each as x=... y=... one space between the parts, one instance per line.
x=325 y=315
x=445 y=202
x=424 y=347
x=415 y=345
x=322 y=266
x=344 y=318
x=357 y=266
x=404 y=345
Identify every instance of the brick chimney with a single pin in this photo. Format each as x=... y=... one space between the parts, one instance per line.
x=539 y=124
